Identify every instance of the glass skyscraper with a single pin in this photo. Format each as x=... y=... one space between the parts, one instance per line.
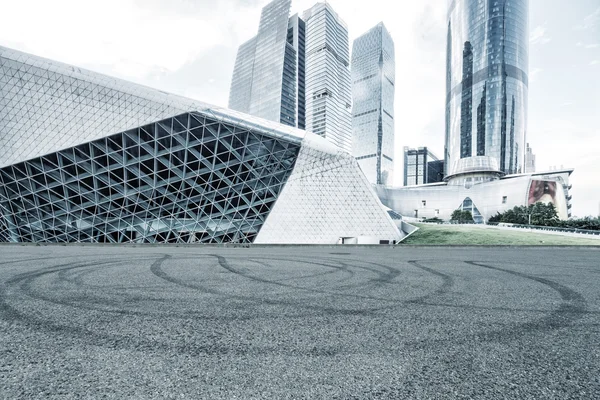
x=529 y=160
x=328 y=80
x=373 y=86
x=268 y=77
x=421 y=167
x=487 y=83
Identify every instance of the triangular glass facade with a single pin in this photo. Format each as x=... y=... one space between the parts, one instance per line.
x=186 y=179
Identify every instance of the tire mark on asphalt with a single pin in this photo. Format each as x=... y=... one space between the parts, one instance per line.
x=76 y=278
x=156 y=269
x=334 y=269
x=160 y=273
x=88 y=304
x=25 y=280
x=102 y=339
x=448 y=283
x=34 y=259
x=84 y=302
x=9 y=313
x=225 y=264
x=571 y=309
x=344 y=266
x=382 y=277
x=444 y=288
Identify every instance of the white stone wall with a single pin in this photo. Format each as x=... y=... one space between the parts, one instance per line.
x=327 y=197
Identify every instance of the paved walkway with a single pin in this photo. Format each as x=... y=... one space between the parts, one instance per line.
x=318 y=323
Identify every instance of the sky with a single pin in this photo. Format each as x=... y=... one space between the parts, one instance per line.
x=189 y=47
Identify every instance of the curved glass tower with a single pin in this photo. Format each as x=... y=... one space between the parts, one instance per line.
x=486 y=83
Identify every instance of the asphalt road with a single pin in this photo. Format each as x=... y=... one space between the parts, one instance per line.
x=297 y=322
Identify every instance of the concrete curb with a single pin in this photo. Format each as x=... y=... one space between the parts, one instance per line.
x=315 y=246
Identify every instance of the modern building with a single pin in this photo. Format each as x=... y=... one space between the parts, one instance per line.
x=328 y=80
x=484 y=194
x=296 y=71
x=529 y=160
x=435 y=171
x=421 y=166
x=487 y=83
x=269 y=74
x=373 y=88
x=486 y=122
x=89 y=158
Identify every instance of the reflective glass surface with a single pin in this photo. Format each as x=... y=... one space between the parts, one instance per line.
x=269 y=60
x=240 y=94
x=186 y=179
x=487 y=82
x=417 y=165
x=373 y=87
x=328 y=80
x=265 y=75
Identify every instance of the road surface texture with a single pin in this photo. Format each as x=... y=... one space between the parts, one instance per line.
x=299 y=322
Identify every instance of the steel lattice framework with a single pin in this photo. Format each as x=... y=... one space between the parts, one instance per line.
x=185 y=179
x=89 y=158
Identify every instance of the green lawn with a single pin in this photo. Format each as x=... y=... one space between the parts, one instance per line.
x=472 y=235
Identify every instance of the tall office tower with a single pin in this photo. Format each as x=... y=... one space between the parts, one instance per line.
x=487 y=85
x=328 y=80
x=421 y=166
x=297 y=42
x=373 y=86
x=529 y=160
x=435 y=171
x=268 y=77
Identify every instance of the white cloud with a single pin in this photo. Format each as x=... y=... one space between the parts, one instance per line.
x=590 y=22
x=595 y=62
x=588 y=46
x=533 y=74
x=133 y=40
x=538 y=35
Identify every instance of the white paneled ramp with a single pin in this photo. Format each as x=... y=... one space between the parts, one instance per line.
x=327 y=197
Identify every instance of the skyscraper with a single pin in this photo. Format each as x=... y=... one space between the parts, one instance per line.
x=487 y=83
x=529 y=160
x=421 y=166
x=328 y=81
x=268 y=77
x=373 y=86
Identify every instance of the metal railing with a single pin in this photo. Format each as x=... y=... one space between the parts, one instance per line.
x=548 y=228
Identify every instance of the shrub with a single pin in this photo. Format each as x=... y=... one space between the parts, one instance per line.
x=462 y=217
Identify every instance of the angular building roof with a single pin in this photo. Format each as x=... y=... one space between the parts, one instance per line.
x=46 y=106
x=89 y=158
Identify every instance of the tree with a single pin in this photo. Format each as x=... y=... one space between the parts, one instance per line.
x=518 y=215
x=496 y=218
x=544 y=214
x=536 y=214
x=462 y=217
